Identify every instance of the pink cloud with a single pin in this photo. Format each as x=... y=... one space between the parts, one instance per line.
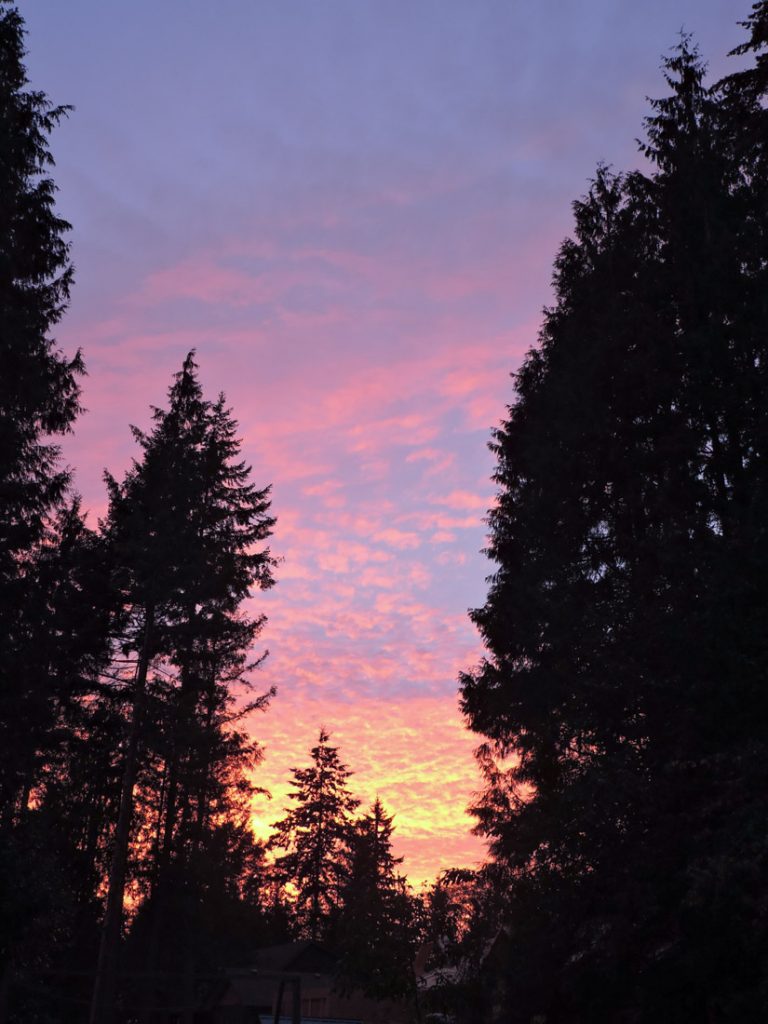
x=463 y=500
x=361 y=416
x=324 y=488
x=452 y=558
x=401 y=539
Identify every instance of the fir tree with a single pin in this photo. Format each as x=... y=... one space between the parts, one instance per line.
x=39 y=398
x=38 y=386
x=182 y=531
x=53 y=859
x=315 y=833
x=622 y=692
x=377 y=929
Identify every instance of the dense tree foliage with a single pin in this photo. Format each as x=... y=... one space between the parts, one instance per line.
x=315 y=835
x=622 y=695
x=181 y=536
x=47 y=650
x=377 y=929
x=38 y=395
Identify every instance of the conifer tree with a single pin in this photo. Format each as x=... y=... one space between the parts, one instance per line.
x=182 y=531
x=622 y=693
x=51 y=859
x=39 y=393
x=39 y=399
x=315 y=833
x=462 y=915
x=377 y=929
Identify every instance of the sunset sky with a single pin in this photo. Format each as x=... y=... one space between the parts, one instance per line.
x=349 y=208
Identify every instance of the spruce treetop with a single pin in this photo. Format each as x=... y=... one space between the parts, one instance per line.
x=316 y=833
x=39 y=391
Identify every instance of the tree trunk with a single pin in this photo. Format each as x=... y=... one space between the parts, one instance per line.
x=163 y=881
x=104 y=989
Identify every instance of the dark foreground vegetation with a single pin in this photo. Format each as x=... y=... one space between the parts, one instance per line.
x=624 y=696
x=622 y=701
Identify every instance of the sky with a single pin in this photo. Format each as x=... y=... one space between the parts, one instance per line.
x=349 y=209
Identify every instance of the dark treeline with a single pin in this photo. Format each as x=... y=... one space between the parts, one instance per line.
x=621 y=701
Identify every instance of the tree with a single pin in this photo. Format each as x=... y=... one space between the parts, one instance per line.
x=39 y=397
x=39 y=394
x=377 y=926
x=622 y=692
x=182 y=530
x=462 y=914
x=315 y=833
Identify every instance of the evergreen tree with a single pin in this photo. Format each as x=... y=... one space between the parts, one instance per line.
x=461 y=918
x=38 y=388
x=46 y=917
x=70 y=615
x=622 y=693
x=39 y=398
x=182 y=531
x=377 y=926
x=315 y=833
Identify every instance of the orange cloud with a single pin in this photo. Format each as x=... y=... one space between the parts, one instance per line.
x=415 y=755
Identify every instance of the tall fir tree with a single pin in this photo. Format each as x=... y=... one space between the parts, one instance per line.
x=39 y=399
x=182 y=531
x=622 y=695
x=316 y=833
x=39 y=393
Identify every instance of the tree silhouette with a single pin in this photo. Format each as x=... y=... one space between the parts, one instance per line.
x=315 y=833
x=181 y=530
x=38 y=387
x=377 y=926
x=622 y=692
x=39 y=398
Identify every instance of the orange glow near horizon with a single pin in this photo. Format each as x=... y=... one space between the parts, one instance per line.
x=417 y=758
